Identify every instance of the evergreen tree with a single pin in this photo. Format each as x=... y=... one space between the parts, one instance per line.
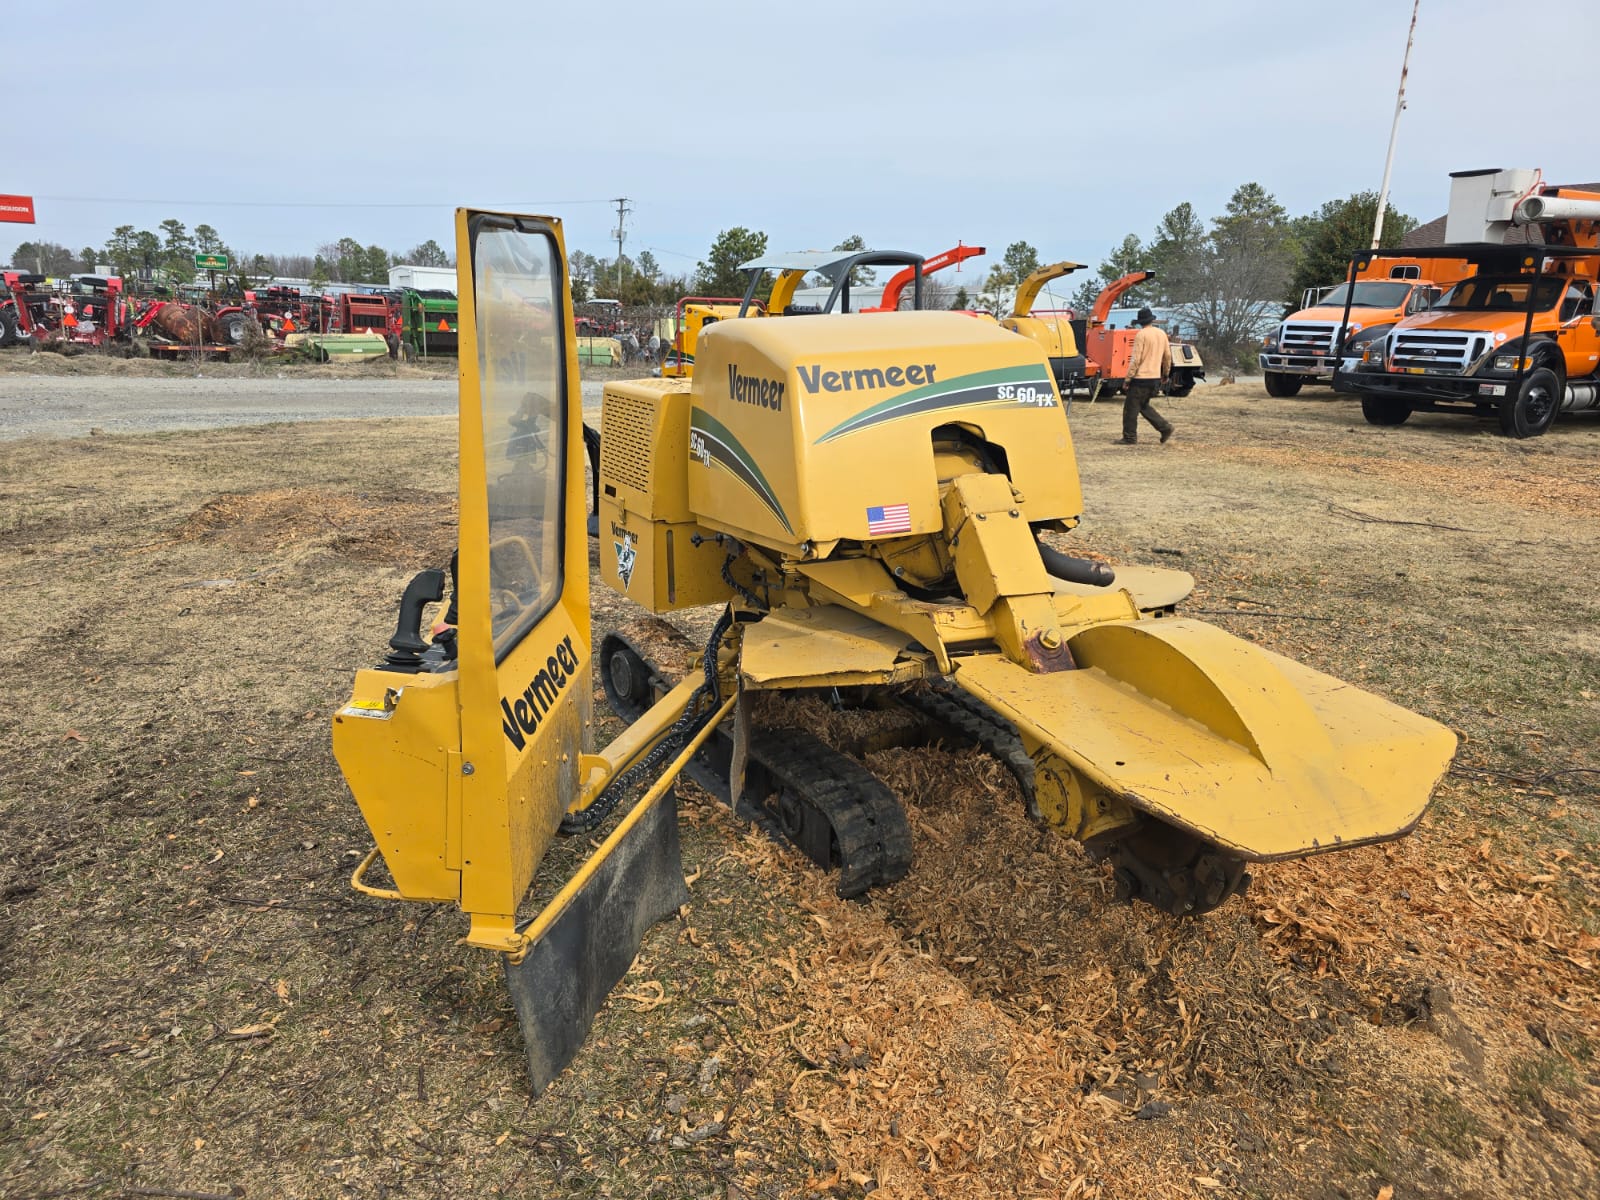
x=718 y=273
x=1000 y=286
x=1327 y=239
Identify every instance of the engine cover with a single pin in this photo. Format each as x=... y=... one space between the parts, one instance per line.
x=806 y=431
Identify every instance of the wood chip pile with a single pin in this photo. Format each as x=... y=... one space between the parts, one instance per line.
x=996 y=1022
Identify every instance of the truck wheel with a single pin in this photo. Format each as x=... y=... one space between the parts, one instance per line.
x=1281 y=386
x=1384 y=410
x=1535 y=405
x=232 y=326
x=8 y=328
x=1180 y=385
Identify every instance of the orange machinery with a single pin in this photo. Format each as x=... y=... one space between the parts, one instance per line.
x=1518 y=338
x=1109 y=349
x=896 y=287
x=1381 y=290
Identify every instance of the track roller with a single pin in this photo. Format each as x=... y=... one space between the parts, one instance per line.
x=825 y=803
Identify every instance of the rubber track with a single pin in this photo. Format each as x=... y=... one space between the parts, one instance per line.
x=871 y=837
x=971 y=718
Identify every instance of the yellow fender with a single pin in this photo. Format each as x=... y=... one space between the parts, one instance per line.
x=1242 y=747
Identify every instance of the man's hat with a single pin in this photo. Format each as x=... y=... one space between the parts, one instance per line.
x=1146 y=317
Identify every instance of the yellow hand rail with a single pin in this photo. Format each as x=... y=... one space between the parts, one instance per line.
x=366 y=889
x=552 y=911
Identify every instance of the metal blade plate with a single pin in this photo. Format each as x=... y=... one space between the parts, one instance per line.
x=566 y=976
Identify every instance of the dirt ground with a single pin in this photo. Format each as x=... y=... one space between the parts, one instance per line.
x=48 y=395
x=195 y=1004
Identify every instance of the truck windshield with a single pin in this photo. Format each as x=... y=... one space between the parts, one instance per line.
x=1502 y=293
x=1369 y=295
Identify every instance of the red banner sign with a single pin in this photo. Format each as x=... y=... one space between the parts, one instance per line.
x=17 y=208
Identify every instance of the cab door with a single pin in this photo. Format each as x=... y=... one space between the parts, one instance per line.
x=1577 y=336
x=522 y=598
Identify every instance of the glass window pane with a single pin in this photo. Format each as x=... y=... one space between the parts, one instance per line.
x=522 y=368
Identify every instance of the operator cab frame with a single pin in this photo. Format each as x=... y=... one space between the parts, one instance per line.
x=834 y=266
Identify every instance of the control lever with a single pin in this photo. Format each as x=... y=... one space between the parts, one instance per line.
x=406 y=646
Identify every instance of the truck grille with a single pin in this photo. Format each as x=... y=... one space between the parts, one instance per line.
x=1307 y=337
x=1417 y=350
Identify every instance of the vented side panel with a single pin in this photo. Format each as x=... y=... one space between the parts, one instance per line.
x=627 y=433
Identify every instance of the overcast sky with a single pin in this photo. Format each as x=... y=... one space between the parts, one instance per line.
x=1066 y=124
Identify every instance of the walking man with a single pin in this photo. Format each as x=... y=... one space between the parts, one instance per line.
x=1149 y=364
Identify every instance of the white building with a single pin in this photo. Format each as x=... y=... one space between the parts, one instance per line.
x=423 y=279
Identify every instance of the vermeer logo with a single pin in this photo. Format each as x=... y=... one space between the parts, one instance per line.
x=866 y=379
x=522 y=716
x=627 y=555
x=752 y=389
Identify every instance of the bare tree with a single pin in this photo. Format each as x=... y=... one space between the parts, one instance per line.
x=1227 y=286
x=289 y=266
x=936 y=294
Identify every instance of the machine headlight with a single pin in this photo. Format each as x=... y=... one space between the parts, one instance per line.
x=1364 y=342
x=1510 y=362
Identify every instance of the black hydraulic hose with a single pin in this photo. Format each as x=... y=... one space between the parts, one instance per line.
x=1076 y=570
x=695 y=715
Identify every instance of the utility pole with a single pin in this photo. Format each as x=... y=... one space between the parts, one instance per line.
x=622 y=211
x=1394 y=131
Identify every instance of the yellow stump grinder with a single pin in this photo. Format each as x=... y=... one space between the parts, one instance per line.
x=862 y=500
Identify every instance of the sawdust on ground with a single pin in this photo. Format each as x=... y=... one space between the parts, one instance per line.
x=1421 y=1016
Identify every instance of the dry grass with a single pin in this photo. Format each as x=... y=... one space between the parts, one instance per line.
x=195 y=1002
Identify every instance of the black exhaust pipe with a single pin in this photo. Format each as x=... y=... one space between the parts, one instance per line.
x=1076 y=570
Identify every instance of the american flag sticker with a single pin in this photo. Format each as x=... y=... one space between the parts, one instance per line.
x=888 y=518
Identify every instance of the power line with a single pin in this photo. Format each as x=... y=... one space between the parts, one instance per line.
x=674 y=253
x=510 y=204
x=621 y=235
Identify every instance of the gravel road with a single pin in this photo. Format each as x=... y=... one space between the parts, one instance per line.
x=70 y=406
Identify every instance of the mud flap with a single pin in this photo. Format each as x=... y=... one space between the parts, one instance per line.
x=562 y=981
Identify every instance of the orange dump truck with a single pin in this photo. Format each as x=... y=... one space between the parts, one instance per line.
x=1519 y=338
x=1388 y=288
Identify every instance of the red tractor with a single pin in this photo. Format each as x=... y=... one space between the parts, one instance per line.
x=92 y=313
x=278 y=310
